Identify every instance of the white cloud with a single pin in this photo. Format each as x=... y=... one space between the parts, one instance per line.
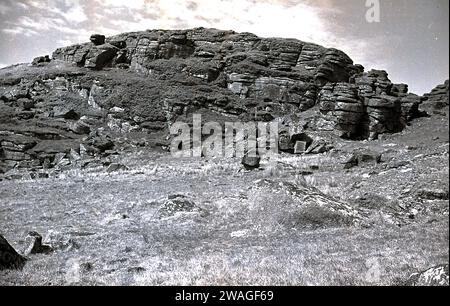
x=4 y=9
x=2 y=65
x=264 y=18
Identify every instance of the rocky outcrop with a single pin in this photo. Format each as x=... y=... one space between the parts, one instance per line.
x=151 y=79
x=367 y=106
x=437 y=99
x=270 y=70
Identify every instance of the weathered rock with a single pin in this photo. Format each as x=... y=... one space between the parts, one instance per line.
x=115 y=167
x=251 y=161
x=176 y=204
x=410 y=107
x=319 y=146
x=433 y=194
x=41 y=60
x=435 y=277
x=437 y=99
x=98 y=39
x=341 y=104
x=35 y=246
x=53 y=147
x=80 y=127
x=66 y=113
x=25 y=103
x=100 y=56
x=224 y=75
x=102 y=144
x=308 y=208
x=294 y=144
x=300 y=147
x=363 y=157
x=9 y=258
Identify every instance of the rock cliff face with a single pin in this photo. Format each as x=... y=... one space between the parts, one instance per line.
x=437 y=99
x=132 y=86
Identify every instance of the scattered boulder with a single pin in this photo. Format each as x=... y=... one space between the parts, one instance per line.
x=435 y=277
x=9 y=258
x=363 y=157
x=175 y=204
x=80 y=127
x=294 y=144
x=115 y=167
x=301 y=206
x=319 y=146
x=35 y=246
x=102 y=144
x=25 y=103
x=99 y=56
x=66 y=113
x=284 y=142
x=251 y=161
x=433 y=194
x=62 y=241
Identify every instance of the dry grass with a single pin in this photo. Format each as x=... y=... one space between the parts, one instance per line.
x=238 y=236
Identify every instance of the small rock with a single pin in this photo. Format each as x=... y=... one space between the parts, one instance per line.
x=300 y=147
x=433 y=194
x=74 y=156
x=35 y=245
x=251 y=161
x=116 y=167
x=136 y=270
x=175 y=204
x=61 y=112
x=103 y=144
x=38 y=175
x=25 y=103
x=58 y=158
x=117 y=110
x=362 y=157
x=351 y=162
x=399 y=164
x=80 y=128
x=87 y=267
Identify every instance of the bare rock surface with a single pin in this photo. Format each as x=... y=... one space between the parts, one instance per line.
x=158 y=77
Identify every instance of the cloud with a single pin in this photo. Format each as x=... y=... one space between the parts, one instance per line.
x=31 y=27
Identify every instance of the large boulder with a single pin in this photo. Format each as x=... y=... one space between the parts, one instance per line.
x=41 y=60
x=9 y=258
x=98 y=39
x=100 y=56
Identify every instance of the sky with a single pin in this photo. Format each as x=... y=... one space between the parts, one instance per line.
x=410 y=41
